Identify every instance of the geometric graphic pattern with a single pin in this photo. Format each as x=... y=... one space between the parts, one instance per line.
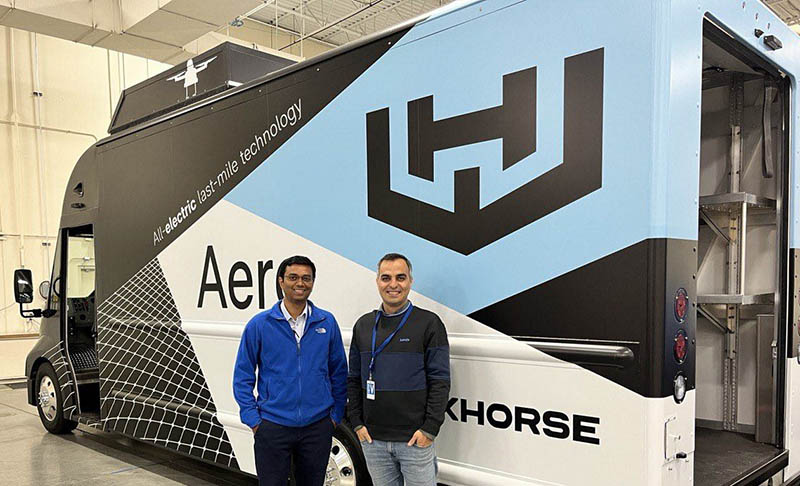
x=55 y=356
x=151 y=384
x=470 y=227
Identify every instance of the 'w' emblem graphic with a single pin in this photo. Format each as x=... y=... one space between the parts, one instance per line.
x=469 y=227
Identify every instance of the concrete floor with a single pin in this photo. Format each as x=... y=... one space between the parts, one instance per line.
x=30 y=455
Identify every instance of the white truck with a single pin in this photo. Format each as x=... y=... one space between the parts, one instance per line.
x=601 y=200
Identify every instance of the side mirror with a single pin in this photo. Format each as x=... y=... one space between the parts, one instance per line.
x=23 y=292
x=23 y=286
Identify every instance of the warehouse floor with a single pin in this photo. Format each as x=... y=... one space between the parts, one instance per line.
x=30 y=455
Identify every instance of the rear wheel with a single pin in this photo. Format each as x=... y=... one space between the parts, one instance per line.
x=50 y=403
x=346 y=466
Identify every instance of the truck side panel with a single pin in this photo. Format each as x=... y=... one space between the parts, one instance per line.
x=406 y=144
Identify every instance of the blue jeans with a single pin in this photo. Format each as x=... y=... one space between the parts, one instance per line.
x=393 y=463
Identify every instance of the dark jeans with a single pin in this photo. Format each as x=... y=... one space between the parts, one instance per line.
x=277 y=445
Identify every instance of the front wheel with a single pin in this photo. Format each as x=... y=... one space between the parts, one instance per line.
x=50 y=403
x=346 y=466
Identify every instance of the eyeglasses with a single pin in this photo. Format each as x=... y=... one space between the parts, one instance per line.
x=293 y=277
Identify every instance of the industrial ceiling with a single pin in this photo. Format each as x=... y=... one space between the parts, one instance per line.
x=340 y=21
x=173 y=31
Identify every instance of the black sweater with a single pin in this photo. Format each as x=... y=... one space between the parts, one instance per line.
x=412 y=376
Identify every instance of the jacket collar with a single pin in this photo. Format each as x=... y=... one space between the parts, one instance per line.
x=287 y=315
x=314 y=315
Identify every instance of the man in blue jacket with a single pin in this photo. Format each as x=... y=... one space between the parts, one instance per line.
x=293 y=356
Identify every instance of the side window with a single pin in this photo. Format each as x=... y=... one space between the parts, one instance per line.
x=80 y=266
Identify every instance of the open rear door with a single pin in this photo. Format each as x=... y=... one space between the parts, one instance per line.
x=742 y=265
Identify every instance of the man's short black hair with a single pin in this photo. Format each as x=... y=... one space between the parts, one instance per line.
x=297 y=260
x=390 y=257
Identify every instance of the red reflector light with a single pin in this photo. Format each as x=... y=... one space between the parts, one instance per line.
x=679 y=348
x=681 y=304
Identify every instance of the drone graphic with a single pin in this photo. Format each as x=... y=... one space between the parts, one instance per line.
x=189 y=77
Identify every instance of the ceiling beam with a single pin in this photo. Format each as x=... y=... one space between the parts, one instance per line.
x=288 y=11
x=290 y=31
x=333 y=24
x=368 y=17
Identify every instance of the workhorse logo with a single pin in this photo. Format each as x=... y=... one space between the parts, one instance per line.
x=469 y=228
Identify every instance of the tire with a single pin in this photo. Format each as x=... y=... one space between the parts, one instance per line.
x=347 y=464
x=50 y=403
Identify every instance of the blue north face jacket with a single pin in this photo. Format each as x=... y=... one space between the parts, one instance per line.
x=297 y=384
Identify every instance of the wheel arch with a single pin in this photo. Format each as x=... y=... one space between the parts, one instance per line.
x=32 y=378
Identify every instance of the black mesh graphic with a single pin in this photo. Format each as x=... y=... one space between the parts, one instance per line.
x=151 y=383
x=55 y=356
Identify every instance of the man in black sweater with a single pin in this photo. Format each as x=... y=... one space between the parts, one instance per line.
x=398 y=382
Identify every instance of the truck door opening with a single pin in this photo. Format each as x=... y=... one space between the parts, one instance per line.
x=80 y=328
x=742 y=264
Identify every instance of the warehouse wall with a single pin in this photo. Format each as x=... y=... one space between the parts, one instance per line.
x=56 y=99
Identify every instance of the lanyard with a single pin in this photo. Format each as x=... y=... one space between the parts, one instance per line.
x=376 y=352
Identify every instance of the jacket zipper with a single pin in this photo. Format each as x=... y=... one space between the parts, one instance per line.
x=300 y=369
x=299 y=378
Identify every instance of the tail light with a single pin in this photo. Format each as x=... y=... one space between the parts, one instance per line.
x=681 y=304
x=679 y=346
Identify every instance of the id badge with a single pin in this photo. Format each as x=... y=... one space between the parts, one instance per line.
x=370 y=390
